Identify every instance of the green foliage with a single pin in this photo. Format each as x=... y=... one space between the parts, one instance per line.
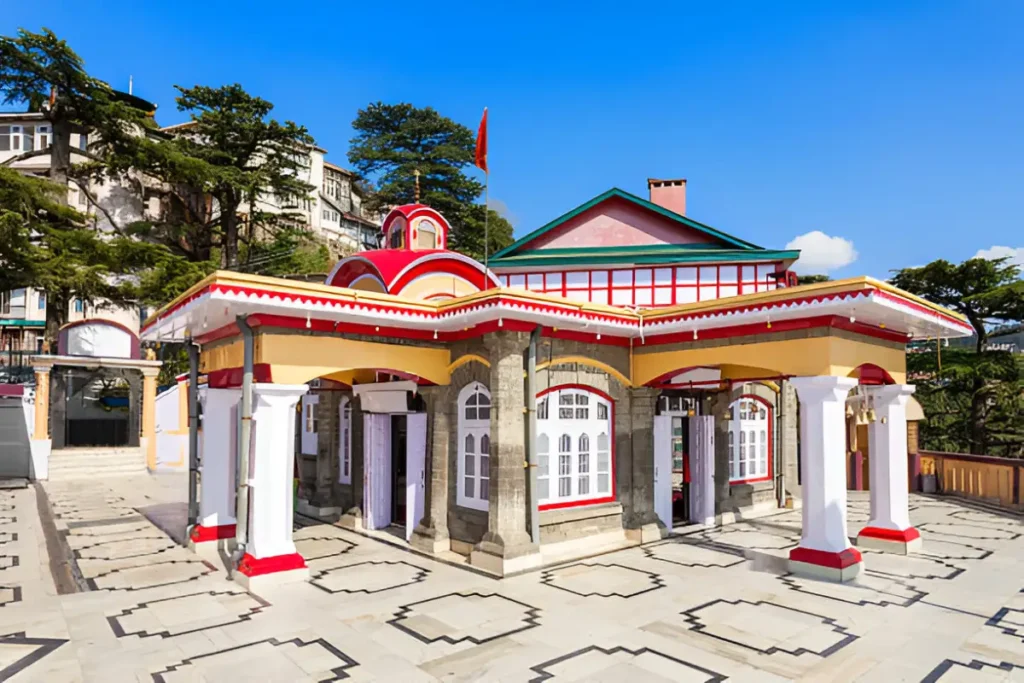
x=394 y=141
x=985 y=291
x=291 y=252
x=229 y=157
x=974 y=402
x=49 y=246
x=41 y=71
x=470 y=240
x=812 y=279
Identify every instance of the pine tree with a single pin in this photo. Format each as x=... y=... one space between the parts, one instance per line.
x=395 y=141
x=977 y=394
x=52 y=247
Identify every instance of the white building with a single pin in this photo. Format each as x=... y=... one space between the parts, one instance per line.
x=332 y=211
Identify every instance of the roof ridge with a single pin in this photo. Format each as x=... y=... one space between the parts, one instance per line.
x=630 y=197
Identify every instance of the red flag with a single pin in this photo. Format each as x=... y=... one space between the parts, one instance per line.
x=481 y=144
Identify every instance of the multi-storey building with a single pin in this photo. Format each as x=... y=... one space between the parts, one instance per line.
x=333 y=211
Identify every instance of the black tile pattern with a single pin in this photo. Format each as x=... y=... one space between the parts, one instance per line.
x=44 y=646
x=947 y=665
x=530 y=619
x=9 y=598
x=939 y=569
x=983 y=518
x=550 y=577
x=419 y=575
x=207 y=569
x=118 y=629
x=699 y=627
x=345 y=546
x=340 y=672
x=955 y=550
x=965 y=530
x=732 y=537
x=816 y=588
x=996 y=621
x=543 y=674
x=730 y=556
x=83 y=553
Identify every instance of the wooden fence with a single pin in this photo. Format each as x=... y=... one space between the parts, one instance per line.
x=978 y=477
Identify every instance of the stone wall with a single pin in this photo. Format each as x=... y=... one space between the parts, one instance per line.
x=737 y=498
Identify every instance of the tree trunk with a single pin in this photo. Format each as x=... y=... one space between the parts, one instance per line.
x=60 y=156
x=56 y=316
x=229 y=223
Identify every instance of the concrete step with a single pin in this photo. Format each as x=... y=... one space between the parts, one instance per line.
x=96 y=463
x=93 y=473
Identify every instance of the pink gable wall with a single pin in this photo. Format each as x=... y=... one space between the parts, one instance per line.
x=618 y=223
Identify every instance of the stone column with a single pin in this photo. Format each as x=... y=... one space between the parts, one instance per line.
x=270 y=555
x=506 y=547
x=431 y=534
x=148 y=441
x=788 y=440
x=824 y=550
x=41 y=428
x=889 y=528
x=642 y=523
x=215 y=529
x=353 y=517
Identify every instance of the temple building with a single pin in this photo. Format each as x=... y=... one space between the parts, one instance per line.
x=618 y=372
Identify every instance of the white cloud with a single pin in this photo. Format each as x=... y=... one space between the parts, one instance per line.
x=1016 y=256
x=820 y=253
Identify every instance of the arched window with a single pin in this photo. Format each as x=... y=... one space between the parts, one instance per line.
x=473 y=489
x=396 y=238
x=345 y=442
x=426 y=235
x=750 y=428
x=578 y=423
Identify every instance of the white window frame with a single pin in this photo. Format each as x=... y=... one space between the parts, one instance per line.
x=479 y=430
x=345 y=441
x=584 y=428
x=749 y=440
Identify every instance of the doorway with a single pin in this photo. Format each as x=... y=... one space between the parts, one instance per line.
x=394 y=487
x=399 y=457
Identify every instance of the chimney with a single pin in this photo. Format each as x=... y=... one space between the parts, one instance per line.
x=668 y=194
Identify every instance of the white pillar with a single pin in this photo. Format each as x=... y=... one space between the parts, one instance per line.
x=270 y=555
x=824 y=549
x=889 y=528
x=218 y=449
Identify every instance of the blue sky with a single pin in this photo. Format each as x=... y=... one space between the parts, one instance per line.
x=894 y=126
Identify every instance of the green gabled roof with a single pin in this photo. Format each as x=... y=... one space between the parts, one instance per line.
x=622 y=194
x=640 y=255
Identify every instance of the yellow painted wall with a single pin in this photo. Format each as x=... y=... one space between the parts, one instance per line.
x=836 y=356
x=438 y=283
x=297 y=358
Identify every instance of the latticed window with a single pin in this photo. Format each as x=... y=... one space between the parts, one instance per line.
x=473 y=489
x=749 y=440
x=581 y=435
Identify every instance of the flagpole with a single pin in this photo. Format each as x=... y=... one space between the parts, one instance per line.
x=487 y=213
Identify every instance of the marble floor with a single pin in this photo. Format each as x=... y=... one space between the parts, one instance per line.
x=712 y=605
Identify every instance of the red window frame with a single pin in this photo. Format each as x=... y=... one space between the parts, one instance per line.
x=611 y=447
x=771 y=442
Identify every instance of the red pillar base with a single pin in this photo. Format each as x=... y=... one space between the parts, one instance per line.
x=820 y=564
x=259 y=573
x=896 y=541
x=210 y=541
